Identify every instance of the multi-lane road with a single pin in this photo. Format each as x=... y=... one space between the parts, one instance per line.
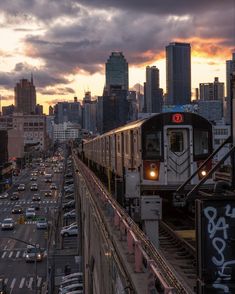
x=20 y=276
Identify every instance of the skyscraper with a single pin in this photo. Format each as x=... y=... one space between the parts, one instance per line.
x=116 y=69
x=230 y=68
x=212 y=91
x=153 y=94
x=25 y=96
x=178 y=73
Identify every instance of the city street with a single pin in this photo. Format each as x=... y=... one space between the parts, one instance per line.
x=20 y=276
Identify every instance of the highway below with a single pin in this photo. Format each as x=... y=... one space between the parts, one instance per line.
x=19 y=275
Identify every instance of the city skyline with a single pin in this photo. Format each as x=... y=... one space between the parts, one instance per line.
x=66 y=46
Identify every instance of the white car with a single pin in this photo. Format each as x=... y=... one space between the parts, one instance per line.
x=70 y=288
x=70 y=214
x=30 y=212
x=78 y=275
x=4 y=195
x=33 y=253
x=8 y=224
x=71 y=230
x=68 y=282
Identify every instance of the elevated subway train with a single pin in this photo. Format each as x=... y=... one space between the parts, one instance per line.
x=153 y=155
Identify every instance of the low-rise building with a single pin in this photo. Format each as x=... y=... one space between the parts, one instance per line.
x=66 y=131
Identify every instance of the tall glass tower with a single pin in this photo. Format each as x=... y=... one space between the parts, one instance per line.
x=116 y=70
x=178 y=73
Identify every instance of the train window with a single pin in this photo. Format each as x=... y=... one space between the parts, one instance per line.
x=127 y=143
x=201 y=140
x=153 y=145
x=118 y=144
x=176 y=141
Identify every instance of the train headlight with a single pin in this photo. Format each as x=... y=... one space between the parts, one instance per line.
x=152 y=174
x=203 y=173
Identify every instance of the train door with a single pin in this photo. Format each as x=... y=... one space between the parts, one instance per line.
x=177 y=154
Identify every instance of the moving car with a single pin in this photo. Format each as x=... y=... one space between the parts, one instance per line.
x=42 y=224
x=53 y=186
x=30 y=212
x=48 y=178
x=48 y=193
x=21 y=187
x=35 y=205
x=8 y=224
x=17 y=209
x=33 y=254
x=34 y=187
x=15 y=196
x=71 y=230
x=4 y=195
x=36 y=197
x=33 y=179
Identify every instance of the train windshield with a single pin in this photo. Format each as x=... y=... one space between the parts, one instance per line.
x=152 y=145
x=201 y=142
x=176 y=141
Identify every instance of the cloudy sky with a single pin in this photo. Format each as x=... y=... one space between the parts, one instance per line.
x=65 y=43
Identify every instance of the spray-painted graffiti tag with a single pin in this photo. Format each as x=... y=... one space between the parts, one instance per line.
x=218 y=231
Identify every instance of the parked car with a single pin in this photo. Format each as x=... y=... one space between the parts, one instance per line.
x=17 y=209
x=70 y=288
x=74 y=280
x=69 y=175
x=8 y=224
x=36 y=197
x=33 y=253
x=69 y=196
x=15 y=196
x=71 y=230
x=30 y=212
x=4 y=195
x=68 y=182
x=42 y=224
x=70 y=204
x=70 y=214
x=34 y=187
x=21 y=187
x=68 y=187
x=48 y=193
x=73 y=275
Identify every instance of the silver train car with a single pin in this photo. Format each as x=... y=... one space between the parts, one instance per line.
x=153 y=155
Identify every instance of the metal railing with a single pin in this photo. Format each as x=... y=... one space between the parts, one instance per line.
x=146 y=257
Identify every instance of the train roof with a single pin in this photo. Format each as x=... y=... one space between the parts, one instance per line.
x=140 y=122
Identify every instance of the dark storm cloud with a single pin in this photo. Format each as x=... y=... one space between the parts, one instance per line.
x=23 y=11
x=78 y=36
x=42 y=77
x=86 y=44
